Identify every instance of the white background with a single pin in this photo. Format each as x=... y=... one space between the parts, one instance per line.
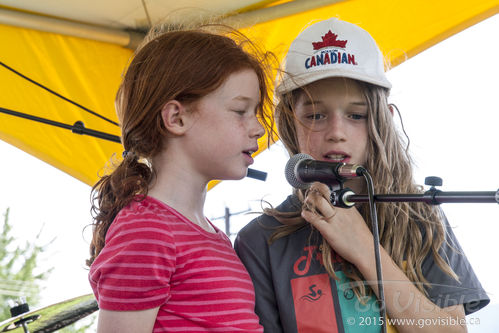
x=448 y=97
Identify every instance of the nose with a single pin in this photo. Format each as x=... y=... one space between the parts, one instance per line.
x=336 y=128
x=256 y=130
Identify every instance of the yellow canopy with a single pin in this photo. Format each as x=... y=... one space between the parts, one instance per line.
x=88 y=72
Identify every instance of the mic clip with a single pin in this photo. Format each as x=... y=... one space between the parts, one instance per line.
x=339 y=197
x=431 y=195
x=339 y=194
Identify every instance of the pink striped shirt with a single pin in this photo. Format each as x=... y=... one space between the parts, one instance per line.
x=155 y=257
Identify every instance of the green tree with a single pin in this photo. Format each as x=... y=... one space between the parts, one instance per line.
x=20 y=275
x=18 y=272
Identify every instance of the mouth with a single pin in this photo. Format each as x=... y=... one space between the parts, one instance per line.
x=249 y=159
x=337 y=157
x=249 y=152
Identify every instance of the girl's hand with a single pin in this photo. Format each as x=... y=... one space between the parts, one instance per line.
x=343 y=228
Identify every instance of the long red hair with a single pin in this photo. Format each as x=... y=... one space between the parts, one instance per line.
x=175 y=65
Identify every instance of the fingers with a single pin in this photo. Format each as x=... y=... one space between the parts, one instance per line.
x=320 y=189
x=314 y=219
x=317 y=202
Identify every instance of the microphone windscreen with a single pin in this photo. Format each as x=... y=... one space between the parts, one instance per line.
x=290 y=170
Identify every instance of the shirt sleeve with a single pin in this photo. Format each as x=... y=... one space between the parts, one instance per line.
x=253 y=250
x=133 y=270
x=444 y=290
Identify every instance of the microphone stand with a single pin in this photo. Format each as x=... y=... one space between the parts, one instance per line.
x=347 y=198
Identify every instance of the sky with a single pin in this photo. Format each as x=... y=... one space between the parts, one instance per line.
x=448 y=98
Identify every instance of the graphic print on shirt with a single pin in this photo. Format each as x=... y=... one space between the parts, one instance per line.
x=323 y=304
x=314 y=295
x=314 y=314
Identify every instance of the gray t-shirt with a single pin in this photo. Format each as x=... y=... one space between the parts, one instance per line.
x=295 y=294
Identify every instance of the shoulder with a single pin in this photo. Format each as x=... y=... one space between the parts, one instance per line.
x=145 y=225
x=143 y=214
x=146 y=208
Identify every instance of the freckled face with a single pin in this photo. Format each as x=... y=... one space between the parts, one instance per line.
x=226 y=130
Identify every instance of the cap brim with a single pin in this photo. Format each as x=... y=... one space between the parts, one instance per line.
x=291 y=83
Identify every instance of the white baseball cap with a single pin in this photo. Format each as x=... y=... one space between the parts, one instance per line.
x=332 y=48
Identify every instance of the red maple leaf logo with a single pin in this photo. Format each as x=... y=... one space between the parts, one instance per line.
x=329 y=39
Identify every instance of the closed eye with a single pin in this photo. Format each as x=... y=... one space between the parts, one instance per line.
x=240 y=112
x=315 y=116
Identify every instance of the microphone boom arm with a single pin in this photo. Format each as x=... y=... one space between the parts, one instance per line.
x=432 y=197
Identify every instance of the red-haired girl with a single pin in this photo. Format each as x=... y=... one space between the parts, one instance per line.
x=189 y=107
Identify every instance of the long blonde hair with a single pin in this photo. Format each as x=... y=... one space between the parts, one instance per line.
x=401 y=225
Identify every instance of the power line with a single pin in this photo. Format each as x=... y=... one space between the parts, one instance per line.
x=226 y=218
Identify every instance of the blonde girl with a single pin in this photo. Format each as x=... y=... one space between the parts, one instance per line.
x=313 y=264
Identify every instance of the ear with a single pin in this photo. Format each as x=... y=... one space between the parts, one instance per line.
x=174 y=115
x=390 y=107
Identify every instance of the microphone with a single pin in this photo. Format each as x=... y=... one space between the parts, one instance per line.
x=302 y=170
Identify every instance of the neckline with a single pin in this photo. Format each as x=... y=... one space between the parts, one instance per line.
x=193 y=225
